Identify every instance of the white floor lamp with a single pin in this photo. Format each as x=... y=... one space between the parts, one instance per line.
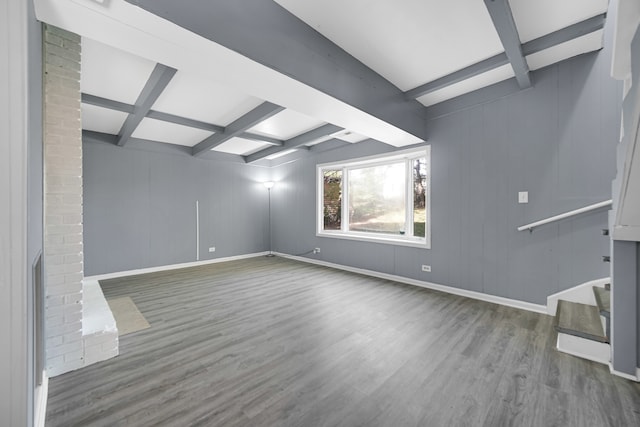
x=269 y=185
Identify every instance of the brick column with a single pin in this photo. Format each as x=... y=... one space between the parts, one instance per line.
x=62 y=201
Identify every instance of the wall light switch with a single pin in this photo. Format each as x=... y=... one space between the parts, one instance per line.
x=523 y=197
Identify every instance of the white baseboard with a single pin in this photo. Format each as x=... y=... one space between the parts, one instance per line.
x=537 y=308
x=584 y=348
x=42 y=393
x=582 y=294
x=171 y=267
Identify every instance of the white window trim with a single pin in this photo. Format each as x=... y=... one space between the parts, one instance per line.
x=380 y=159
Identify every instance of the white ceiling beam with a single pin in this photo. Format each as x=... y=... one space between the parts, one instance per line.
x=502 y=18
x=237 y=127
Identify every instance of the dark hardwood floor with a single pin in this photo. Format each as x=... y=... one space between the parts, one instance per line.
x=274 y=342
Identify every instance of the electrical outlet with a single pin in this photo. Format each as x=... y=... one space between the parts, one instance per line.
x=426 y=268
x=316 y=251
x=212 y=249
x=523 y=197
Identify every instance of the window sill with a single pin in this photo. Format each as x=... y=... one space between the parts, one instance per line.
x=372 y=238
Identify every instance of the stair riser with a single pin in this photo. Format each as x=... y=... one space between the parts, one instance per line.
x=584 y=348
x=582 y=293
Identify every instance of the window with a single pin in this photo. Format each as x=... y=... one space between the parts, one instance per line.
x=381 y=198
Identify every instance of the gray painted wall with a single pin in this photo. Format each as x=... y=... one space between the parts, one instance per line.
x=556 y=140
x=139 y=208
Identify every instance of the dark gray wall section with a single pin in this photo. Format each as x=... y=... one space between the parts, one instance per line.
x=272 y=36
x=556 y=140
x=34 y=181
x=624 y=306
x=139 y=208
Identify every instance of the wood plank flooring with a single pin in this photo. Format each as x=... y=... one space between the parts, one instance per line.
x=274 y=342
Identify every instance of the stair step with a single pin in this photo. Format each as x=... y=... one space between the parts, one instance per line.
x=580 y=320
x=603 y=300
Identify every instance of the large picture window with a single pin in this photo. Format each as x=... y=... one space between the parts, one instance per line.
x=381 y=198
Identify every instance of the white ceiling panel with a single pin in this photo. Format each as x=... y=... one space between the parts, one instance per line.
x=285 y=125
x=157 y=130
x=241 y=146
x=200 y=99
x=409 y=42
x=536 y=18
x=112 y=73
x=280 y=154
x=102 y=119
x=584 y=44
x=477 y=82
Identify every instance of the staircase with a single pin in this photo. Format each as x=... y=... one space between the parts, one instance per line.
x=584 y=328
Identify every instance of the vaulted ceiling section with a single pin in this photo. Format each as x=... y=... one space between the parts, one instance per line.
x=260 y=80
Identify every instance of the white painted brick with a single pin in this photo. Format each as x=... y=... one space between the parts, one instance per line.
x=54 y=240
x=52 y=362
x=72 y=199
x=73 y=277
x=75 y=298
x=55 y=301
x=55 y=279
x=54 y=341
x=54 y=321
x=64 y=367
x=62 y=310
x=72 y=337
x=63 y=200
x=64 y=349
x=72 y=219
x=64 y=329
x=62 y=189
x=53 y=260
x=94 y=355
x=73 y=238
x=98 y=339
x=73 y=317
x=113 y=344
x=54 y=219
x=64 y=229
x=74 y=356
x=69 y=259
x=67 y=288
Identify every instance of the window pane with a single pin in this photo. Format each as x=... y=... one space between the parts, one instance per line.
x=419 y=196
x=332 y=193
x=377 y=199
